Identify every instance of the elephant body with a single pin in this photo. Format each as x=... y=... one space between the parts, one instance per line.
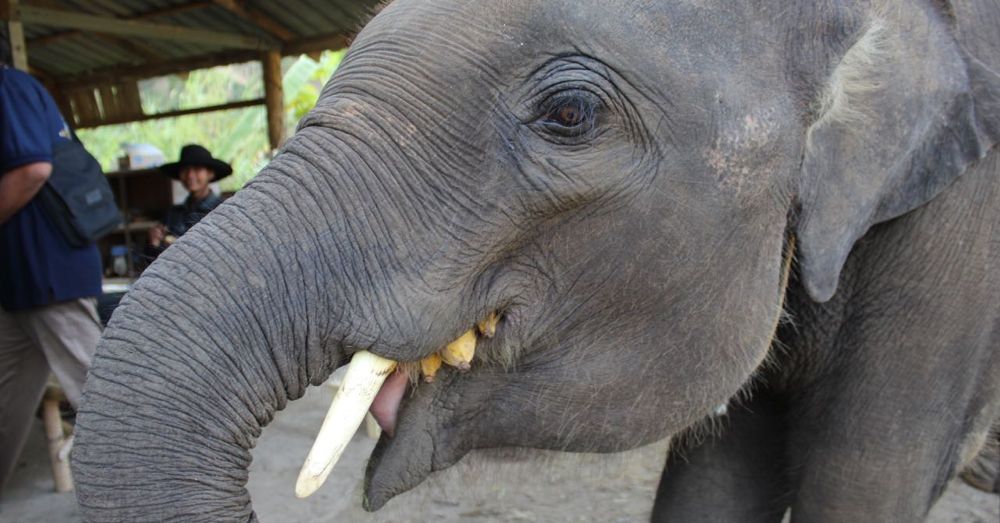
x=874 y=399
x=787 y=207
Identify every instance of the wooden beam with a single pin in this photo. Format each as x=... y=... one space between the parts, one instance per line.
x=109 y=7
x=129 y=98
x=173 y=10
x=172 y=114
x=167 y=11
x=180 y=65
x=65 y=108
x=98 y=24
x=132 y=47
x=42 y=75
x=13 y=13
x=110 y=109
x=333 y=41
x=257 y=18
x=111 y=74
x=274 y=98
x=84 y=105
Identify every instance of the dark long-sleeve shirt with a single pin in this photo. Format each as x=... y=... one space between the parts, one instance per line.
x=182 y=217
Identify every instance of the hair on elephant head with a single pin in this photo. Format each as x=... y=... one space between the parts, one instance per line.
x=586 y=211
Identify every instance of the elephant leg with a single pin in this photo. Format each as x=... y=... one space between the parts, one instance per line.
x=882 y=446
x=738 y=476
x=984 y=472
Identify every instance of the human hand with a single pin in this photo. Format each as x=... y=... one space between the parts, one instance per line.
x=156 y=234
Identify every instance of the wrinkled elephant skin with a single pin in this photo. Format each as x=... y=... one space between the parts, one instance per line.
x=618 y=216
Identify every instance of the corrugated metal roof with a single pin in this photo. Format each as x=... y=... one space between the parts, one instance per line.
x=285 y=14
x=60 y=53
x=91 y=61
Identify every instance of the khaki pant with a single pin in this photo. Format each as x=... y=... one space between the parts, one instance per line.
x=59 y=338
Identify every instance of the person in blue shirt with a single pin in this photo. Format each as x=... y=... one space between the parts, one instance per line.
x=48 y=319
x=196 y=169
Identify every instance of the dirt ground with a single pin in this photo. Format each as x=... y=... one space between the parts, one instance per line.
x=482 y=488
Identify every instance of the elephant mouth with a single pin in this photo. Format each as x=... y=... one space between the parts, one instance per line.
x=377 y=384
x=385 y=407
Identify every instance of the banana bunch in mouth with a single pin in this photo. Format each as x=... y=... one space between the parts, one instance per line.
x=365 y=375
x=459 y=353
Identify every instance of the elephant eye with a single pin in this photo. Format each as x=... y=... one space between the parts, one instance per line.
x=569 y=114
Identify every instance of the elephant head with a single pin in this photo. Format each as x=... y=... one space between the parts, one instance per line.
x=617 y=183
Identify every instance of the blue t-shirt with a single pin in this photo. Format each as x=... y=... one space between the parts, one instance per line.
x=37 y=266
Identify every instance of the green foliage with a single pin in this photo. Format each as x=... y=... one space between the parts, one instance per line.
x=302 y=86
x=238 y=136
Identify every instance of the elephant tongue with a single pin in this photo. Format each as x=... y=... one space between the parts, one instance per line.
x=386 y=404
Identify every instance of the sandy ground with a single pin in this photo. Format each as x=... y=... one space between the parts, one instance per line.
x=550 y=487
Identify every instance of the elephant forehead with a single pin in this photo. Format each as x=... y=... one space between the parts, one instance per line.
x=482 y=47
x=529 y=24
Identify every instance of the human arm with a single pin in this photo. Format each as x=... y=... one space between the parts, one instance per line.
x=19 y=185
x=161 y=235
x=29 y=125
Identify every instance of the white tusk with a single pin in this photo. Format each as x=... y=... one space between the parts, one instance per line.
x=364 y=378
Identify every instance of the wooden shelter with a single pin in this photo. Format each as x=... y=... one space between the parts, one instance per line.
x=91 y=54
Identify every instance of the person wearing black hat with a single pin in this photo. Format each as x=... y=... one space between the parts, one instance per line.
x=196 y=169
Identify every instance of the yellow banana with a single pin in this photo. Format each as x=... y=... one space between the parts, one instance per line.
x=488 y=327
x=429 y=366
x=459 y=353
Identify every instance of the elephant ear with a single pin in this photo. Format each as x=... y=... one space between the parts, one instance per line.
x=903 y=113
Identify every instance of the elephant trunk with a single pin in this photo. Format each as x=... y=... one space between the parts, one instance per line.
x=232 y=322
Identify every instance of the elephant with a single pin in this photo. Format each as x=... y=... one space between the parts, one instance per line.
x=609 y=220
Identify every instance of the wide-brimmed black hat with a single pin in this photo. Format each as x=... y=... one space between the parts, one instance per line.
x=193 y=154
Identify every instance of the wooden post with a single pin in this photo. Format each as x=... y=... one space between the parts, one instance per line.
x=274 y=98
x=15 y=34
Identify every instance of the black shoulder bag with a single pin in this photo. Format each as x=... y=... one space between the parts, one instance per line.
x=77 y=198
